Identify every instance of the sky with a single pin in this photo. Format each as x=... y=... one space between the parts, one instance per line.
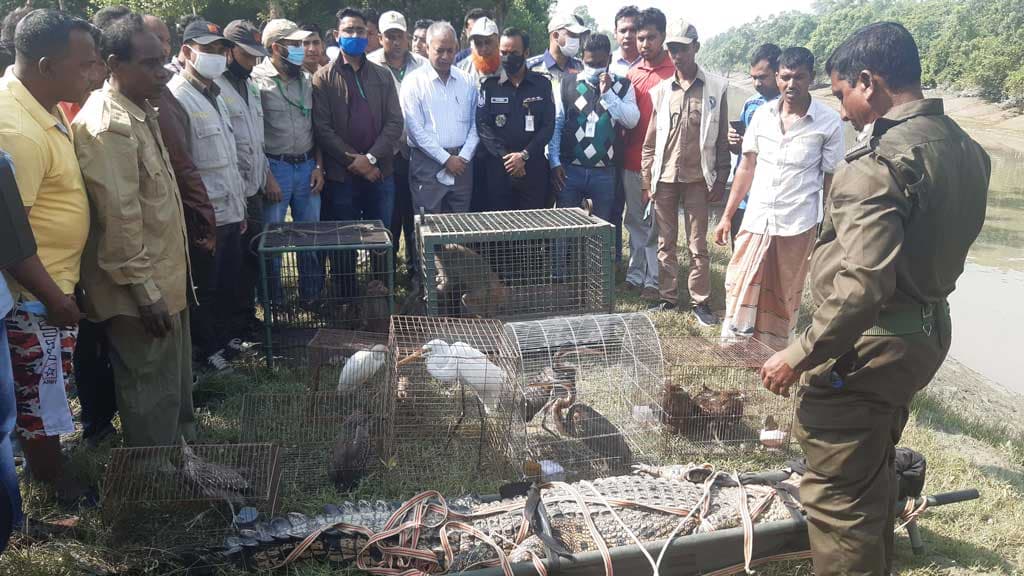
x=709 y=17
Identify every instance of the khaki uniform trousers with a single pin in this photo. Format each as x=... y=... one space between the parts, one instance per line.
x=153 y=378
x=849 y=435
x=694 y=198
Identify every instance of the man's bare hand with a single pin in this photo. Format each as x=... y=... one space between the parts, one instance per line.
x=723 y=231
x=64 y=312
x=207 y=244
x=316 y=181
x=558 y=178
x=155 y=319
x=455 y=165
x=272 y=191
x=605 y=82
x=645 y=196
x=374 y=175
x=735 y=141
x=777 y=376
x=514 y=164
x=360 y=165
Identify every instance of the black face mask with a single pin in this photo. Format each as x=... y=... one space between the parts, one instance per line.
x=238 y=70
x=512 y=63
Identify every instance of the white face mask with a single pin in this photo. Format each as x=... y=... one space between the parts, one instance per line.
x=209 y=66
x=571 y=47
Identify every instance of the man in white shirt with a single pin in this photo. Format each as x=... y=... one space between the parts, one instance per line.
x=627 y=24
x=439 y=105
x=790 y=151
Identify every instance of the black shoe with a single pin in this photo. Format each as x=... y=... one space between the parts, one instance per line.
x=704 y=315
x=663 y=307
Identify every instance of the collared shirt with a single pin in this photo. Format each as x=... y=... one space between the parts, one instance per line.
x=413 y=62
x=287 y=109
x=512 y=118
x=49 y=180
x=746 y=115
x=16 y=241
x=136 y=253
x=785 y=197
x=440 y=115
x=546 y=63
x=620 y=65
x=681 y=161
x=606 y=111
x=644 y=78
x=903 y=211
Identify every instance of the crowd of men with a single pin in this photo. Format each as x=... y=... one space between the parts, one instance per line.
x=135 y=180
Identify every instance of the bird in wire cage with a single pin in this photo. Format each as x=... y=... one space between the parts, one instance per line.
x=720 y=411
x=360 y=367
x=461 y=363
x=466 y=284
x=213 y=480
x=351 y=452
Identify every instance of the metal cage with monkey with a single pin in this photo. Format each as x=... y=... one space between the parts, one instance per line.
x=514 y=265
x=590 y=394
x=323 y=275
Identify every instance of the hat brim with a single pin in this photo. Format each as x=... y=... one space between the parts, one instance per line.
x=254 y=50
x=679 y=40
x=391 y=27
x=577 y=29
x=210 y=39
x=298 y=35
x=483 y=34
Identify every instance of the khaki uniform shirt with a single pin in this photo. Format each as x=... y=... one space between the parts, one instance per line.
x=287 y=110
x=136 y=251
x=904 y=209
x=682 y=152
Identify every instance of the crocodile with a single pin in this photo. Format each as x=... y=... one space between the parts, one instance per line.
x=654 y=504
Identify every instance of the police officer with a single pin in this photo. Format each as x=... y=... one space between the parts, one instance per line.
x=904 y=209
x=515 y=118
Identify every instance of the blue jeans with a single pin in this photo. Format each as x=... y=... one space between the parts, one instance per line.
x=8 y=413
x=598 y=184
x=359 y=199
x=296 y=194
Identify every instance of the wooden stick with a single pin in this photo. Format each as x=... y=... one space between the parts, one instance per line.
x=411 y=358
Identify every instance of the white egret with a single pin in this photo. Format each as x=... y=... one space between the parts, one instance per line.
x=361 y=367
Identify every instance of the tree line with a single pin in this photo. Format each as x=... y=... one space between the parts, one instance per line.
x=971 y=45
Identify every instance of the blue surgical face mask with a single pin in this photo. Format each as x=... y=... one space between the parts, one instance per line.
x=593 y=75
x=296 y=54
x=353 y=46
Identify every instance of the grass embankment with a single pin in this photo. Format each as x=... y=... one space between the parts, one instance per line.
x=969 y=442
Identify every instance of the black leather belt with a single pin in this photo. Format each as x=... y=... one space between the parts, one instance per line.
x=292 y=158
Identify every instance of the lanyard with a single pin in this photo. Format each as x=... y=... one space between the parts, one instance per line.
x=301 y=106
x=359 y=84
x=399 y=75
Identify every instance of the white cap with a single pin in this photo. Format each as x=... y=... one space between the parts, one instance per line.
x=568 y=21
x=391 y=20
x=483 y=27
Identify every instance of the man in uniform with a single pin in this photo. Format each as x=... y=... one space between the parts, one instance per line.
x=135 y=268
x=904 y=209
x=515 y=118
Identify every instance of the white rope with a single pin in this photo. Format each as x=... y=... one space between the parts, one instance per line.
x=630 y=533
x=748 y=524
x=705 y=497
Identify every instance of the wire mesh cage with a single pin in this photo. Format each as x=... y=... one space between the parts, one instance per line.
x=713 y=398
x=343 y=359
x=168 y=484
x=454 y=381
x=329 y=440
x=591 y=392
x=516 y=265
x=324 y=275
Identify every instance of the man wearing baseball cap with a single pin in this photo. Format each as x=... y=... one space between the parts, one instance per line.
x=565 y=42
x=685 y=160
x=286 y=91
x=483 y=60
x=246 y=110
x=395 y=55
x=211 y=143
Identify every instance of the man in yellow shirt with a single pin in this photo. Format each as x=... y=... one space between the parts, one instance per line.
x=55 y=60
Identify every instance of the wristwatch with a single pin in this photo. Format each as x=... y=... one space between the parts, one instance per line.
x=526 y=155
x=372 y=159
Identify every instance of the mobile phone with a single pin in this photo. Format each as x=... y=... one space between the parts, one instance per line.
x=738 y=126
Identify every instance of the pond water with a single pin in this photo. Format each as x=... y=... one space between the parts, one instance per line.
x=988 y=304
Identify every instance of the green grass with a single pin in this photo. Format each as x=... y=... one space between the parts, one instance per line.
x=964 y=449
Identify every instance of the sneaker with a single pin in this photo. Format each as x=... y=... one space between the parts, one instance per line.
x=704 y=315
x=663 y=307
x=217 y=364
x=651 y=294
